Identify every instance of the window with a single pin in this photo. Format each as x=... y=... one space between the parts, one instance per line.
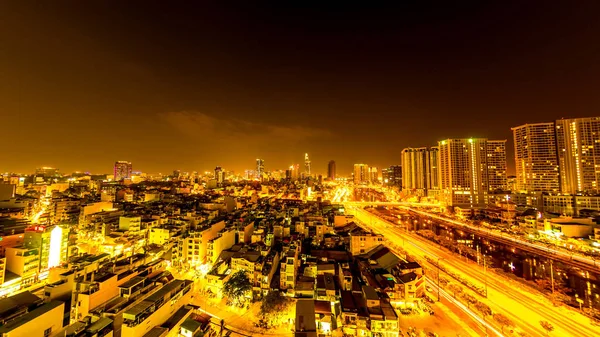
x=47 y=332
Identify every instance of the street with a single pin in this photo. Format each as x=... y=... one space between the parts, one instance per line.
x=504 y=296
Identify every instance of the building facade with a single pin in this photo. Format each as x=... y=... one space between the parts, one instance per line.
x=392 y=176
x=578 y=156
x=420 y=169
x=122 y=170
x=464 y=170
x=536 y=158
x=361 y=174
x=331 y=170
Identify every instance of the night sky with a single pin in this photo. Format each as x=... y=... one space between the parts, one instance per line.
x=182 y=86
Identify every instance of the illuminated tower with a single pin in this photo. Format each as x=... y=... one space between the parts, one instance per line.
x=496 y=165
x=361 y=174
x=260 y=168
x=331 y=170
x=536 y=158
x=122 y=170
x=470 y=168
x=373 y=174
x=306 y=164
x=577 y=145
x=219 y=174
x=420 y=169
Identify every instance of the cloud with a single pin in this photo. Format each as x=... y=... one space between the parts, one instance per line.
x=203 y=126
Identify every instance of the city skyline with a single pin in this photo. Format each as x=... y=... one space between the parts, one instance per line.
x=367 y=81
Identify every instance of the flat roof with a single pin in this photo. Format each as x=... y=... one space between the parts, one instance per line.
x=99 y=324
x=39 y=311
x=176 y=317
x=167 y=289
x=132 y=282
x=157 y=332
x=23 y=299
x=139 y=308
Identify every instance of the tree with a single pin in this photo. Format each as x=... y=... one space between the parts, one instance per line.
x=503 y=321
x=470 y=299
x=275 y=306
x=547 y=326
x=455 y=289
x=237 y=286
x=483 y=308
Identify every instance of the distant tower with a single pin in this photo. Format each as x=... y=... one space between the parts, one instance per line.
x=331 y=170
x=260 y=168
x=219 y=174
x=122 y=170
x=361 y=174
x=306 y=164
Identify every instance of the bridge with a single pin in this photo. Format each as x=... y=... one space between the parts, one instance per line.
x=579 y=261
x=389 y=203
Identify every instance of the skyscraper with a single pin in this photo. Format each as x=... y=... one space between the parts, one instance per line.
x=122 y=170
x=577 y=145
x=420 y=169
x=306 y=164
x=260 y=168
x=219 y=175
x=496 y=165
x=361 y=174
x=392 y=175
x=536 y=158
x=432 y=179
x=293 y=173
x=331 y=170
x=373 y=174
x=464 y=170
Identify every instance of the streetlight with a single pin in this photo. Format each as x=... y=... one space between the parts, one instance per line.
x=438 y=277
x=485 y=276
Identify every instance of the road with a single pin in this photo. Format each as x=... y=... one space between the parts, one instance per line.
x=237 y=322
x=504 y=296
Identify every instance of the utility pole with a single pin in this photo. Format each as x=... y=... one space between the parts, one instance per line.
x=485 y=276
x=438 y=277
x=551 y=276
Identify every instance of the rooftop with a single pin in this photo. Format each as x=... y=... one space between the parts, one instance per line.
x=37 y=312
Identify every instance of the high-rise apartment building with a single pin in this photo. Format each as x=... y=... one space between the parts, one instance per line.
x=361 y=174
x=392 y=175
x=219 y=174
x=122 y=170
x=306 y=164
x=496 y=165
x=578 y=152
x=536 y=158
x=420 y=169
x=260 y=168
x=464 y=170
x=293 y=173
x=331 y=170
x=432 y=181
x=373 y=174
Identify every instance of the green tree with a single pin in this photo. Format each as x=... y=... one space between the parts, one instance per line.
x=470 y=299
x=503 y=321
x=455 y=289
x=237 y=286
x=275 y=306
x=547 y=326
x=483 y=308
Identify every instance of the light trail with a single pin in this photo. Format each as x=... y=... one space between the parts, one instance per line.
x=462 y=307
x=519 y=304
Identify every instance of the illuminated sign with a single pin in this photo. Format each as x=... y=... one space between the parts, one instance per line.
x=55 y=247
